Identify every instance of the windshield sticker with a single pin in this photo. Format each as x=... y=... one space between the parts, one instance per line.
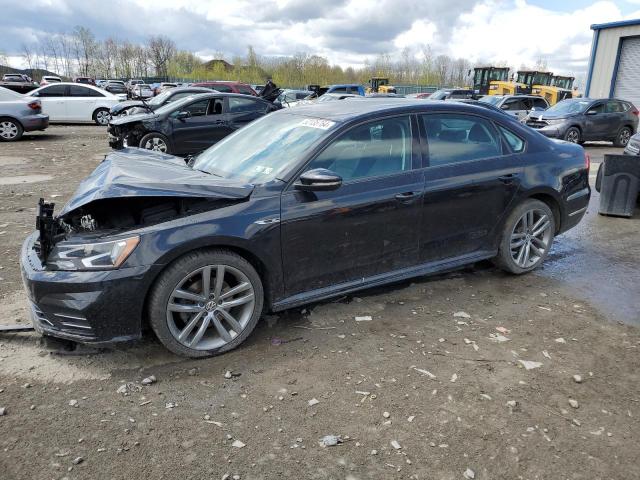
x=263 y=170
x=317 y=123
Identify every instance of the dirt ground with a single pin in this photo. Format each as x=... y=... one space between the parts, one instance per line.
x=464 y=375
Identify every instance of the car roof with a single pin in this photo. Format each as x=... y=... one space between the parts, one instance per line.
x=349 y=110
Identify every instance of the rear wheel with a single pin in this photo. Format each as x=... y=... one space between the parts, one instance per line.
x=573 y=135
x=10 y=130
x=206 y=303
x=102 y=117
x=156 y=142
x=526 y=238
x=623 y=137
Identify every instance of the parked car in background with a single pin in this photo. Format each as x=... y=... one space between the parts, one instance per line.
x=349 y=88
x=580 y=120
x=132 y=107
x=85 y=80
x=116 y=87
x=73 y=102
x=189 y=125
x=101 y=83
x=228 y=87
x=289 y=97
x=19 y=114
x=141 y=90
x=517 y=105
x=46 y=80
x=633 y=146
x=131 y=84
x=258 y=221
x=451 y=94
x=163 y=87
x=478 y=103
x=421 y=95
x=18 y=82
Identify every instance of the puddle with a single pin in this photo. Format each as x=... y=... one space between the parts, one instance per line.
x=21 y=179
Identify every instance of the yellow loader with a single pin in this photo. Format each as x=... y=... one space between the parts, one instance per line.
x=560 y=89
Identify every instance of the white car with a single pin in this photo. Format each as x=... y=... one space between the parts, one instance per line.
x=74 y=102
x=141 y=91
x=46 y=80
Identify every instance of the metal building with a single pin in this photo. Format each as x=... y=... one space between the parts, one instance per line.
x=614 y=66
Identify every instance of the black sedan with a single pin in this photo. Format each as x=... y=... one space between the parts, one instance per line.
x=131 y=107
x=187 y=126
x=302 y=205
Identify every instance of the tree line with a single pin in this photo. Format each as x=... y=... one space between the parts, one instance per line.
x=79 y=53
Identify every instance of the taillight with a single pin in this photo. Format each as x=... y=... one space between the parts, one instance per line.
x=587 y=161
x=635 y=111
x=35 y=105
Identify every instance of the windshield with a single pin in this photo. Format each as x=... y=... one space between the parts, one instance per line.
x=173 y=105
x=265 y=149
x=491 y=99
x=160 y=99
x=524 y=77
x=541 y=79
x=565 y=83
x=567 y=108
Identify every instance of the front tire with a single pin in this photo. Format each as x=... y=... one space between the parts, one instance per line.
x=10 y=130
x=573 y=135
x=156 y=142
x=206 y=303
x=102 y=117
x=527 y=237
x=623 y=137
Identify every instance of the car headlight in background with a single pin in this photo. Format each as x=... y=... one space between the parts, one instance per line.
x=91 y=256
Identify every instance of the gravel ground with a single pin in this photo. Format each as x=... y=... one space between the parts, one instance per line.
x=465 y=375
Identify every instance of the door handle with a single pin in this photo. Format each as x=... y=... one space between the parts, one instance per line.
x=403 y=197
x=508 y=178
x=218 y=122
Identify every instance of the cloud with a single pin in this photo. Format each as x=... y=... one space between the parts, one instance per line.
x=347 y=32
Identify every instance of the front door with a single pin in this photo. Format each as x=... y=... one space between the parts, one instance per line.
x=54 y=102
x=81 y=103
x=205 y=126
x=470 y=182
x=368 y=226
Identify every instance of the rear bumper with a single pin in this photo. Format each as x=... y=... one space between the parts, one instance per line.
x=39 y=121
x=575 y=208
x=88 y=307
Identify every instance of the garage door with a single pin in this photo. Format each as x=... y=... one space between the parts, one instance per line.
x=628 y=78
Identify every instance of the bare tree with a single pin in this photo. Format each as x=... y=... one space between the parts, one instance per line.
x=161 y=49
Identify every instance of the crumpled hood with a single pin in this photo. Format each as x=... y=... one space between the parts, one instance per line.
x=134 y=172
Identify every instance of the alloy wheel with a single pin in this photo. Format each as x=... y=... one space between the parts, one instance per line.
x=156 y=144
x=625 y=135
x=573 y=136
x=8 y=130
x=103 y=117
x=210 y=307
x=530 y=238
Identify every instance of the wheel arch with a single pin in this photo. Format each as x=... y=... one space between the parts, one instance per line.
x=237 y=248
x=551 y=202
x=13 y=119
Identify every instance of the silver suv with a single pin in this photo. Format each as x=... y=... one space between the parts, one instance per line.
x=517 y=105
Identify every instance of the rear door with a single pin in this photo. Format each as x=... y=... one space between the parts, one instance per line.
x=368 y=226
x=54 y=102
x=471 y=179
x=204 y=127
x=81 y=103
x=615 y=112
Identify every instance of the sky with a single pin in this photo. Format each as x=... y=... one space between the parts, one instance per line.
x=347 y=32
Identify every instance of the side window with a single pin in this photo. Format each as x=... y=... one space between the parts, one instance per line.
x=513 y=104
x=245 y=90
x=461 y=94
x=598 y=107
x=515 y=142
x=614 y=107
x=53 y=91
x=243 y=105
x=222 y=88
x=377 y=148
x=196 y=109
x=339 y=90
x=178 y=96
x=215 y=107
x=77 y=91
x=540 y=103
x=455 y=138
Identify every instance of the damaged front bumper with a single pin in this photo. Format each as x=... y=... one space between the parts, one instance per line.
x=83 y=306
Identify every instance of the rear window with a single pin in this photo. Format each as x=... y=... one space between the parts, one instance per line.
x=243 y=105
x=244 y=89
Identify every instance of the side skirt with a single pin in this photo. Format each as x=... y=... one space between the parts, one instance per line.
x=379 y=280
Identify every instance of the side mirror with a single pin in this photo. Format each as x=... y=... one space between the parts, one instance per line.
x=318 y=180
x=592 y=112
x=183 y=115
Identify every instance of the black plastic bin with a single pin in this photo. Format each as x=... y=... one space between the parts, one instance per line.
x=619 y=179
